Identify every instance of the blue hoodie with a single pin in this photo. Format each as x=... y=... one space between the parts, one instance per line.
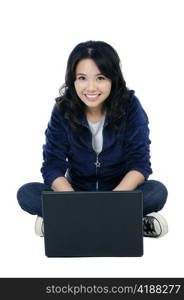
x=66 y=153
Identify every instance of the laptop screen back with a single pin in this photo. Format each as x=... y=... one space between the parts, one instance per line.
x=79 y=224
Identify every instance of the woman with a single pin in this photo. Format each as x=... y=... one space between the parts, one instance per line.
x=97 y=138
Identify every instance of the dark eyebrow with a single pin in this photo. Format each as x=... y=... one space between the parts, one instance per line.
x=85 y=74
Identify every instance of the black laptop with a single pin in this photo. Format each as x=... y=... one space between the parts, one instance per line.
x=93 y=224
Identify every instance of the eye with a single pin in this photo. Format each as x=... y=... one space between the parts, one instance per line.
x=81 y=78
x=101 y=78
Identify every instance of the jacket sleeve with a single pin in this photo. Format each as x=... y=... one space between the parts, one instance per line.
x=137 y=142
x=55 y=149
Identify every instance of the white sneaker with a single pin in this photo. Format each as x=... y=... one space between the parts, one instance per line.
x=154 y=225
x=39 y=227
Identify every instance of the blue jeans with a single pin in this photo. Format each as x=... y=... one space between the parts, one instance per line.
x=154 y=196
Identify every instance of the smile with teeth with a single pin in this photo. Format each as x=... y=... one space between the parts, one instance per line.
x=92 y=97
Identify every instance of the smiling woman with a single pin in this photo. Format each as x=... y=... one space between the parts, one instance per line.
x=92 y=87
x=94 y=68
x=97 y=138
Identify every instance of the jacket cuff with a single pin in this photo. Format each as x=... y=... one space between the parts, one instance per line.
x=48 y=180
x=144 y=172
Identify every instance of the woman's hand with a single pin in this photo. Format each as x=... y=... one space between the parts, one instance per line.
x=130 y=182
x=61 y=184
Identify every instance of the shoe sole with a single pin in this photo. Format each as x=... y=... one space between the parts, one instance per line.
x=162 y=221
x=38 y=226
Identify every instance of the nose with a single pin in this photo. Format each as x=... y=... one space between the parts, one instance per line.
x=91 y=86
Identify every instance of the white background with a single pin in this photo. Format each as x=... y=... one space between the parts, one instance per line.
x=36 y=39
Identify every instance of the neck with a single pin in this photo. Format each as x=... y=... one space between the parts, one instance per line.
x=94 y=115
x=95 y=112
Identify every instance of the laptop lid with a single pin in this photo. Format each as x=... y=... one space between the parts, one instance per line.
x=103 y=223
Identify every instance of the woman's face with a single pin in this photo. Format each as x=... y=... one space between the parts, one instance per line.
x=92 y=87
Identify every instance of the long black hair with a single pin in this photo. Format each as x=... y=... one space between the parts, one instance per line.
x=109 y=64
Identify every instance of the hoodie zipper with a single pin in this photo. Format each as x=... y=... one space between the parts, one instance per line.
x=97 y=164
